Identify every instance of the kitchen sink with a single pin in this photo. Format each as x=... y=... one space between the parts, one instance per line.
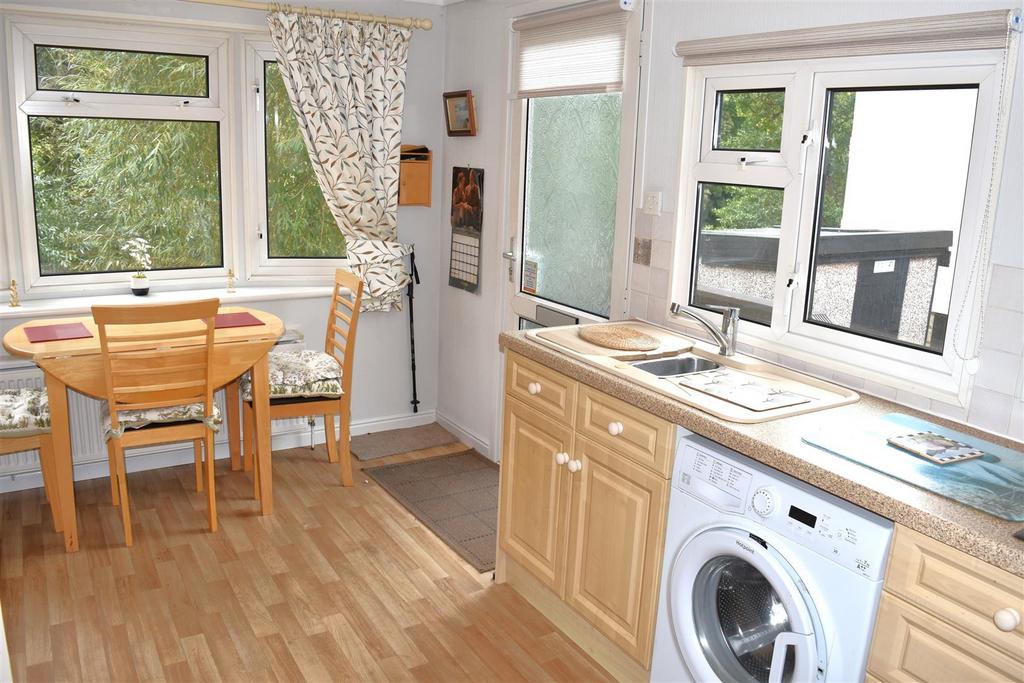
x=674 y=367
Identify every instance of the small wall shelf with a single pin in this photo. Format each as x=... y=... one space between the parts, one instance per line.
x=414 y=176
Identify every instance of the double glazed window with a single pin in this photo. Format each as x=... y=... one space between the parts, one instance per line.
x=104 y=175
x=832 y=204
x=118 y=138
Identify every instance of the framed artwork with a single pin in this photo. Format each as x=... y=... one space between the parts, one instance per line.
x=467 y=224
x=460 y=113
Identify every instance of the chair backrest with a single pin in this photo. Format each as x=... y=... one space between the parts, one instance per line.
x=157 y=356
x=342 y=321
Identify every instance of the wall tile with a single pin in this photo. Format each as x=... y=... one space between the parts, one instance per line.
x=637 y=305
x=657 y=309
x=990 y=410
x=644 y=225
x=642 y=251
x=665 y=227
x=640 y=279
x=1017 y=420
x=999 y=371
x=660 y=283
x=914 y=400
x=879 y=390
x=1004 y=330
x=958 y=413
x=661 y=255
x=1007 y=288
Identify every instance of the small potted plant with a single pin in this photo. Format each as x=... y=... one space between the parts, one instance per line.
x=137 y=249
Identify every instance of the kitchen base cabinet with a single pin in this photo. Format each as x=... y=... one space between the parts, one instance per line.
x=617 y=533
x=534 y=493
x=581 y=520
x=940 y=615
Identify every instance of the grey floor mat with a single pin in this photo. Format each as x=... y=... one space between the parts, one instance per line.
x=393 y=441
x=455 y=496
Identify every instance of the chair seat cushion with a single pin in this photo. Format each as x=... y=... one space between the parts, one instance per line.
x=24 y=412
x=302 y=373
x=137 y=419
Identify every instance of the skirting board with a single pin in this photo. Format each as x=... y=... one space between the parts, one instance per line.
x=182 y=454
x=466 y=436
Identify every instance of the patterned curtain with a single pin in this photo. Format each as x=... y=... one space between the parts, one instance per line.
x=346 y=83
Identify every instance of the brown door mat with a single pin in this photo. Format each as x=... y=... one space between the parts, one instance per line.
x=393 y=441
x=455 y=496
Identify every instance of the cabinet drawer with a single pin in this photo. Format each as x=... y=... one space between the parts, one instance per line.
x=540 y=387
x=629 y=431
x=912 y=645
x=961 y=589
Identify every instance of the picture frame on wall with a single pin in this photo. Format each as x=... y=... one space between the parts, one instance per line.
x=459 y=113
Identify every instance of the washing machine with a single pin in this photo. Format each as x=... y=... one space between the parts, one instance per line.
x=766 y=579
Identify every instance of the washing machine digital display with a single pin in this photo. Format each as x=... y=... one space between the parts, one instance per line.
x=802 y=516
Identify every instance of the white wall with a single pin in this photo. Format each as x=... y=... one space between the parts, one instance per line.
x=382 y=388
x=477 y=58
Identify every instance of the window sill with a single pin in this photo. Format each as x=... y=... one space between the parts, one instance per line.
x=60 y=306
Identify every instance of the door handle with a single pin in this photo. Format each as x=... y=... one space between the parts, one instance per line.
x=508 y=255
x=783 y=643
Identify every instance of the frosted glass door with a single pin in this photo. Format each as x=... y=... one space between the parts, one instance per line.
x=569 y=205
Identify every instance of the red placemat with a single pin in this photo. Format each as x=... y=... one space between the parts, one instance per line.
x=58 y=332
x=242 y=319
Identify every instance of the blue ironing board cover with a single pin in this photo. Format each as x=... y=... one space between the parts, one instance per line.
x=993 y=483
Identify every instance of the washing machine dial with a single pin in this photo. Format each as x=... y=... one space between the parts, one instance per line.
x=763 y=501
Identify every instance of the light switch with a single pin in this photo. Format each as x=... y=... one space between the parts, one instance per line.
x=652 y=203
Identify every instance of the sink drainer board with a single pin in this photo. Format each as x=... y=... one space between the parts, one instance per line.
x=740 y=388
x=993 y=483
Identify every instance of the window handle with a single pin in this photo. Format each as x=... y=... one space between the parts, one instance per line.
x=805 y=142
x=791 y=286
x=747 y=161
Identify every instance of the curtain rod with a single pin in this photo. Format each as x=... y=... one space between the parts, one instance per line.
x=406 y=22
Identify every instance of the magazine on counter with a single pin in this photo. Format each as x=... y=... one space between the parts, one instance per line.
x=935 y=447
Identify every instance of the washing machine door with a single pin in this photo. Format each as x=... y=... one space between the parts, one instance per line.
x=740 y=613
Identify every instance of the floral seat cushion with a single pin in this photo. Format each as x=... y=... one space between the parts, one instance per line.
x=136 y=419
x=24 y=412
x=300 y=374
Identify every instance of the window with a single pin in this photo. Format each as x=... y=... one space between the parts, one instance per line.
x=736 y=254
x=889 y=206
x=749 y=120
x=126 y=72
x=117 y=139
x=299 y=223
x=836 y=202
x=100 y=181
x=290 y=230
x=571 y=183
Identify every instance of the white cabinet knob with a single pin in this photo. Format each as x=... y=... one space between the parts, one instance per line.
x=533 y=388
x=1007 y=619
x=561 y=458
x=615 y=428
x=575 y=466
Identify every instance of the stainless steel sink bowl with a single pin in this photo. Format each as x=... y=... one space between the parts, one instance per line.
x=674 y=367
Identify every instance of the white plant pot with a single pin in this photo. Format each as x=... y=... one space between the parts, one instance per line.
x=140 y=285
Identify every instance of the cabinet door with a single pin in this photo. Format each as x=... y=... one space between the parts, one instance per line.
x=616 y=540
x=913 y=645
x=414 y=183
x=534 y=493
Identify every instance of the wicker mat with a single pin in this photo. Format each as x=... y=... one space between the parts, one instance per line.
x=455 y=496
x=382 y=444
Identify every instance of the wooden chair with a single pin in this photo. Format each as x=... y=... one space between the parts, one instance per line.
x=308 y=400
x=157 y=363
x=30 y=431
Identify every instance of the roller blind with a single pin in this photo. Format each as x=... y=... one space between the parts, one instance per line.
x=577 y=50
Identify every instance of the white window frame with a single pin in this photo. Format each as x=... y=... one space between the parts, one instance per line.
x=938 y=376
x=25 y=100
x=259 y=264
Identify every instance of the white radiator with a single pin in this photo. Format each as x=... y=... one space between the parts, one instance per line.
x=87 y=444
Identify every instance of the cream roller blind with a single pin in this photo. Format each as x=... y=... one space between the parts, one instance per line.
x=580 y=49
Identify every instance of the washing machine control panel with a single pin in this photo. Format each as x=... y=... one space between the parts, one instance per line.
x=832 y=527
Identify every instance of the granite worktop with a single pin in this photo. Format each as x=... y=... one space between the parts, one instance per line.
x=778 y=444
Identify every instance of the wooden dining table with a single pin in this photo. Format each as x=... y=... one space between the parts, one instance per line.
x=78 y=364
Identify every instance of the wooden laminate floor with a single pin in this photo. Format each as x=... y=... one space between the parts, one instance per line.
x=339 y=584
